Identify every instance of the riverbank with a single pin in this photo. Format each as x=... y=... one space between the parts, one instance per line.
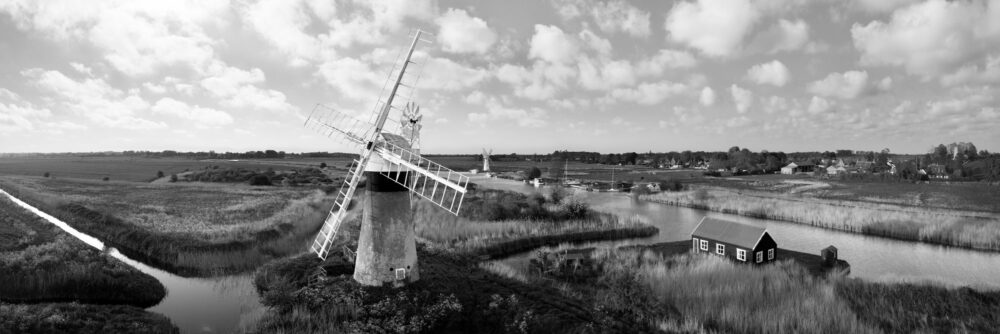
x=41 y=263
x=186 y=229
x=938 y=226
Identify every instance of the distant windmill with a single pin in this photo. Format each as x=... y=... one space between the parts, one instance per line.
x=486 y=160
x=386 y=245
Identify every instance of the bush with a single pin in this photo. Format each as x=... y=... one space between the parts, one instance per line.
x=159 y=174
x=173 y=177
x=671 y=185
x=577 y=209
x=322 y=165
x=260 y=180
x=106 y=178
x=533 y=173
x=46 y=174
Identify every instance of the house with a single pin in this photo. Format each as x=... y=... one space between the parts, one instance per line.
x=743 y=243
x=836 y=170
x=798 y=167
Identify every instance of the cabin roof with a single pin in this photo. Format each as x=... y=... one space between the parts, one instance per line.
x=729 y=232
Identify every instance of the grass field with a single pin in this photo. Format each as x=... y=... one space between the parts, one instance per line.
x=134 y=169
x=41 y=263
x=934 y=225
x=82 y=319
x=189 y=229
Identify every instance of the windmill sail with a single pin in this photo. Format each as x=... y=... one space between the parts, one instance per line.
x=329 y=122
x=321 y=245
x=438 y=184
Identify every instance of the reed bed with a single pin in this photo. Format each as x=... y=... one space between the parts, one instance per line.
x=946 y=227
x=184 y=241
x=77 y=318
x=725 y=296
x=49 y=265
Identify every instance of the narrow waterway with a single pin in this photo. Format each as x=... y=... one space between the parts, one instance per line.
x=224 y=304
x=871 y=258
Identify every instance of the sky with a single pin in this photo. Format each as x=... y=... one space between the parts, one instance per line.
x=515 y=76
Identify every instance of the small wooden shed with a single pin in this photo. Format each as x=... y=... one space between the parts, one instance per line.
x=743 y=243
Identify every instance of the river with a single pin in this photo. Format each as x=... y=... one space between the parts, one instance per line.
x=871 y=258
x=222 y=304
x=230 y=303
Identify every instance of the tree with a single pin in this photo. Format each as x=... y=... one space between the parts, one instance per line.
x=322 y=165
x=940 y=153
x=533 y=173
x=159 y=174
x=734 y=149
x=260 y=180
x=630 y=158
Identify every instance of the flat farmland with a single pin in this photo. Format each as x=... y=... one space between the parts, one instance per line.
x=140 y=169
x=574 y=169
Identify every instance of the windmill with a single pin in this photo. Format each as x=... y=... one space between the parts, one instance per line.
x=386 y=252
x=486 y=160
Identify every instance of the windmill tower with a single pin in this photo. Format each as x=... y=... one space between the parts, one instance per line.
x=486 y=160
x=386 y=251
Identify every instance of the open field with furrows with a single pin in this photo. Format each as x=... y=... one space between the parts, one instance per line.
x=971 y=229
x=970 y=196
x=41 y=263
x=187 y=228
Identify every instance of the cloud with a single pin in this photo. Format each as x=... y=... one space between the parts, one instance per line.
x=353 y=78
x=619 y=16
x=237 y=89
x=551 y=44
x=730 y=21
x=543 y=81
x=742 y=98
x=649 y=93
x=495 y=111
x=707 y=97
x=931 y=38
x=819 y=105
x=772 y=73
x=988 y=74
x=282 y=23
x=881 y=6
x=666 y=59
x=17 y=114
x=461 y=33
x=847 y=85
x=596 y=43
x=199 y=116
x=137 y=38
x=94 y=99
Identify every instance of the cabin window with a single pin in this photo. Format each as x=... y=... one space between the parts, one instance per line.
x=694 y=244
x=741 y=254
x=760 y=256
x=770 y=254
x=704 y=245
x=720 y=249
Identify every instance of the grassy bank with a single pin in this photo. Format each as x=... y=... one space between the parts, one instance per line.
x=939 y=226
x=453 y=296
x=191 y=230
x=41 y=263
x=77 y=318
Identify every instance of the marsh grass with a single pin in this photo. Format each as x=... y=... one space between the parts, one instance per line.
x=911 y=308
x=77 y=318
x=196 y=230
x=49 y=265
x=731 y=297
x=940 y=226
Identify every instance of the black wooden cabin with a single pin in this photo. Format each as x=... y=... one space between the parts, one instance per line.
x=743 y=243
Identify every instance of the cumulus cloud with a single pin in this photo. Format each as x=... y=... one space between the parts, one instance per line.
x=199 y=116
x=931 y=38
x=730 y=21
x=94 y=99
x=881 y=6
x=541 y=82
x=707 y=97
x=772 y=73
x=666 y=59
x=551 y=44
x=461 y=33
x=847 y=85
x=742 y=98
x=446 y=74
x=819 y=105
x=649 y=93
x=282 y=23
x=237 y=88
x=497 y=111
x=619 y=16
